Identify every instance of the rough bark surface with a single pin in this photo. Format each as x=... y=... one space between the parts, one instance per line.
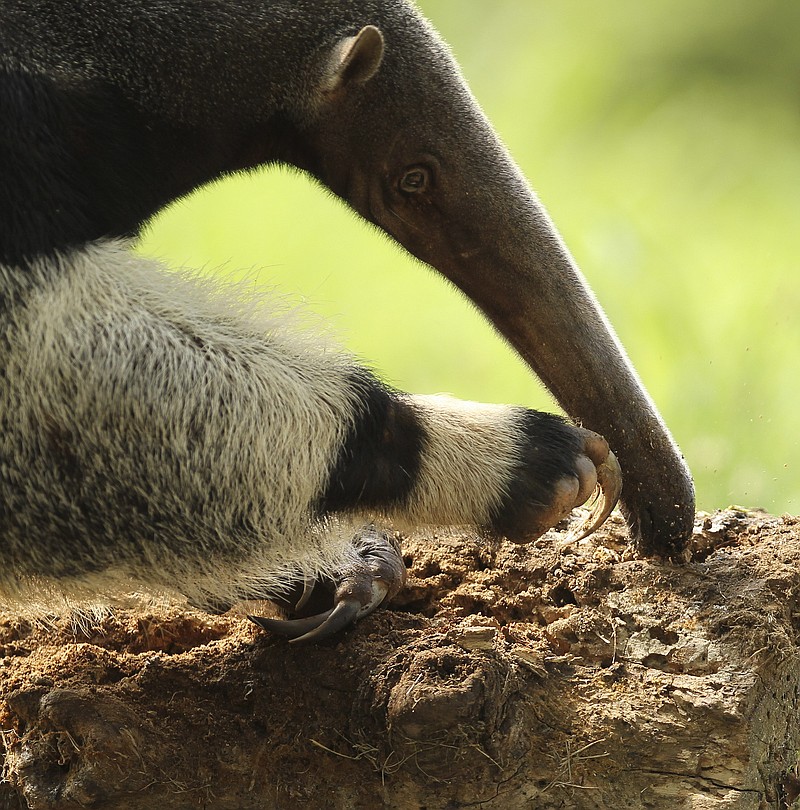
x=555 y=675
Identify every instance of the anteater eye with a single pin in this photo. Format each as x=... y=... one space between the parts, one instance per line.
x=415 y=180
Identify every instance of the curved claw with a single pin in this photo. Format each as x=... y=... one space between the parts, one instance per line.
x=291 y=628
x=609 y=488
x=323 y=625
x=312 y=628
x=380 y=590
x=308 y=589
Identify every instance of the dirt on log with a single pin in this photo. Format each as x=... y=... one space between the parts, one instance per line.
x=555 y=675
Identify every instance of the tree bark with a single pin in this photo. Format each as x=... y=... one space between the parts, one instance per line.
x=556 y=675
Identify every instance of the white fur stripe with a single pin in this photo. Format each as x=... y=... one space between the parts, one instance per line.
x=467 y=463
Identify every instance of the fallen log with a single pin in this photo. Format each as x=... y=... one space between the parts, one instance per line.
x=557 y=675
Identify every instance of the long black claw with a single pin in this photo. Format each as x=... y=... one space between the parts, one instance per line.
x=324 y=625
x=291 y=628
x=313 y=628
x=343 y=615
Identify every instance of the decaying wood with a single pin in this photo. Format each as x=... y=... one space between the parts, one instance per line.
x=556 y=675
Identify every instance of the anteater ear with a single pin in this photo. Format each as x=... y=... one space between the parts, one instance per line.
x=354 y=60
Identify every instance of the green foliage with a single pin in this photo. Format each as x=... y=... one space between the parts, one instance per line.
x=664 y=137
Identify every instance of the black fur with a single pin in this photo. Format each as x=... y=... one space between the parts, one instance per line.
x=379 y=462
x=42 y=207
x=83 y=162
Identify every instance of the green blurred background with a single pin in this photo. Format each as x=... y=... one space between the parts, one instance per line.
x=664 y=138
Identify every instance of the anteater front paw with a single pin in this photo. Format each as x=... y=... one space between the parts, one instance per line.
x=559 y=467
